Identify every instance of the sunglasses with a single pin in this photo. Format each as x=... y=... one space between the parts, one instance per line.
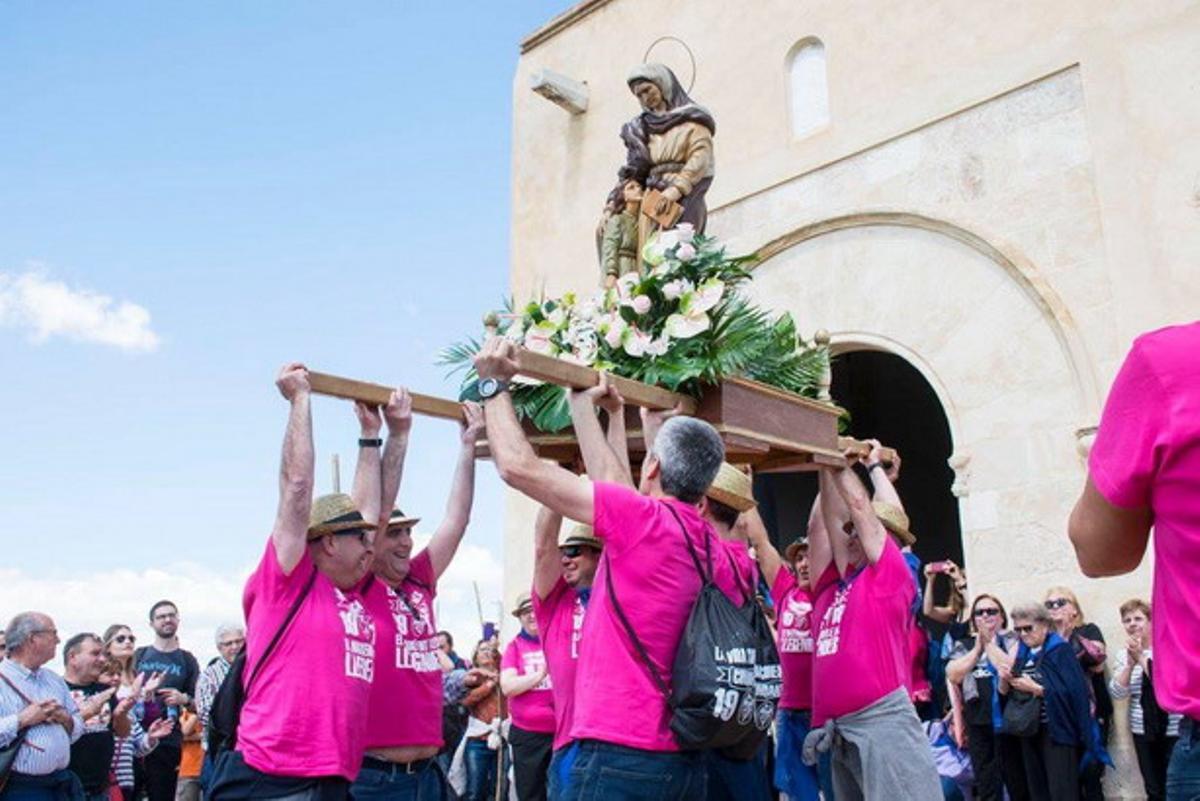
x=361 y=533
x=1056 y=603
x=124 y=638
x=986 y=612
x=573 y=551
x=1023 y=629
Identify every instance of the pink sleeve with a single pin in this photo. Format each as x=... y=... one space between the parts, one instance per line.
x=510 y=658
x=1133 y=432
x=785 y=582
x=618 y=512
x=269 y=582
x=420 y=570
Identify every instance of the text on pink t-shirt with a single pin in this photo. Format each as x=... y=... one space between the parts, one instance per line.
x=532 y=710
x=560 y=618
x=794 y=639
x=656 y=583
x=406 y=702
x=1147 y=454
x=306 y=712
x=862 y=647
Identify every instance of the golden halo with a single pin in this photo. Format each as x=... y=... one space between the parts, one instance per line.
x=688 y=50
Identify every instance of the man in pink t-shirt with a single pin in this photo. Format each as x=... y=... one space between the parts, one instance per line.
x=404 y=728
x=1143 y=471
x=525 y=680
x=301 y=734
x=863 y=611
x=621 y=713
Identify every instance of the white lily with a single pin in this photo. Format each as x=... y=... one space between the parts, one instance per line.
x=634 y=342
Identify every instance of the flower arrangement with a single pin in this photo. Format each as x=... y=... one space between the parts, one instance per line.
x=681 y=323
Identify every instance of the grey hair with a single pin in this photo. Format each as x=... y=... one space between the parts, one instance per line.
x=1032 y=611
x=21 y=628
x=228 y=628
x=690 y=453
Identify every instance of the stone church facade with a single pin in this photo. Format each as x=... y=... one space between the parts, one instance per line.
x=1002 y=198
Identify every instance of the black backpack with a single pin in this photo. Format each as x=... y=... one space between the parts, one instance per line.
x=1155 y=719
x=226 y=711
x=726 y=675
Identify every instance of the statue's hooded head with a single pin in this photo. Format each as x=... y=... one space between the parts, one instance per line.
x=679 y=106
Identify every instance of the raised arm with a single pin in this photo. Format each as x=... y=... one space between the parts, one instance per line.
x=870 y=531
x=398 y=415
x=445 y=541
x=599 y=458
x=751 y=525
x=519 y=467
x=290 y=534
x=820 y=552
x=883 y=477
x=547 y=563
x=367 y=490
x=834 y=516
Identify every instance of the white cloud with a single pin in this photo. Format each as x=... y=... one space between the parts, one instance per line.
x=207 y=598
x=47 y=308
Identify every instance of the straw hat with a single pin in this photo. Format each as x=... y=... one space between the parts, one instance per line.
x=894 y=520
x=333 y=513
x=524 y=602
x=733 y=488
x=582 y=535
x=790 y=553
x=398 y=519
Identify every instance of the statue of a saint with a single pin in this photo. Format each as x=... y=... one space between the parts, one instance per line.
x=669 y=149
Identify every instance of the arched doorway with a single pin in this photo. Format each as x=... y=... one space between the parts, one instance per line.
x=890 y=400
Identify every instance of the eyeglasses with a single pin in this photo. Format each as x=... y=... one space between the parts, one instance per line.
x=231 y=644
x=1056 y=603
x=1023 y=629
x=361 y=533
x=986 y=612
x=571 y=551
x=122 y=638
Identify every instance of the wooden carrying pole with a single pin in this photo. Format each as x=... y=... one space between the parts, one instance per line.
x=379 y=395
x=576 y=376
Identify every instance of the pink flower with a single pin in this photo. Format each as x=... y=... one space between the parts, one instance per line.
x=685 y=252
x=642 y=304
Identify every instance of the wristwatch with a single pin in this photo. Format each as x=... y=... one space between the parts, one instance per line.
x=491 y=387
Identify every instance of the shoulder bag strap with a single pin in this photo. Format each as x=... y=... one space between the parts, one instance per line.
x=704 y=578
x=15 y=689
x=282 y=628
x=637 y=643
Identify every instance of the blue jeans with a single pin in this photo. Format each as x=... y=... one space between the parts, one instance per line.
x=608 y=772
x=481 y=771
x=736 y=779
x=373 y=784
x=1183 y=774
x=801 y=782
x=559 y=776
x=61 y=785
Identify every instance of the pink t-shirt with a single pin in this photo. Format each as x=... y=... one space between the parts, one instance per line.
x=306 y=713
x=863 y=622
x=918 y=685
x=1147 y=454
x=656 y=583
x=406 y=702
x=532 y=710
x=560 y=624
x=794 y=637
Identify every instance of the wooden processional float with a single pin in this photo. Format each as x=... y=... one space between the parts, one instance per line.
x=770 y=429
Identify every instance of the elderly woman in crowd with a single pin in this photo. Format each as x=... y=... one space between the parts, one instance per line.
x=1088 y=644
x=1154 y=730
x=1047 y=707
x=975 y=664
x=486 y=705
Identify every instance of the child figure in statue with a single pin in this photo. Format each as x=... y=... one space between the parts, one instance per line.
x=618 y=237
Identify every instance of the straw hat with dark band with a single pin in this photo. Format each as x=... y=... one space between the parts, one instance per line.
x=582 y=535
x=333 y=513
x=792 y=552
x=733 y=488
x=398 y=519
x=524 y=603
x=894 y=520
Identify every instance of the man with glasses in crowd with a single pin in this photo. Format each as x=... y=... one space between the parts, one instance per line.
x=302 y=729
x=179 y=670
x=36 y=704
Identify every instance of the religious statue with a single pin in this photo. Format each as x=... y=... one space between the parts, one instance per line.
x=668 y=169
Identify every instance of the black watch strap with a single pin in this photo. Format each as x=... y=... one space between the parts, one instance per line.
x=370 y=443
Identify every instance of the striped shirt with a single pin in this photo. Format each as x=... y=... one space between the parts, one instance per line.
x=206 y=689
x=1133 y=692
x=47 y=746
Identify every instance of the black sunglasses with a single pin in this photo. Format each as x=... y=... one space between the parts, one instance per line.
x=1023 y=629
x=572 y=551
x=361 y=533
x=124 y=638
x=986 y=612
x=1056 y=603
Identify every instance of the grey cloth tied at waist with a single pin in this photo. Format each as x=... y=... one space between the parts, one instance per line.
x=879 y=752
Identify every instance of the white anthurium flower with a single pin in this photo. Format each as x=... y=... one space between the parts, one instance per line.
x=674 y=290
x=634 y=342
x=703 y=298
x=538 y=340
x=669 y=239
x=685 y=326
x=659 y=346
x=557 y=317
x=642 y=304
x=625 y=285
x=656 y=247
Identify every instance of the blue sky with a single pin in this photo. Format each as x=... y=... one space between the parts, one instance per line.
x=267 y=181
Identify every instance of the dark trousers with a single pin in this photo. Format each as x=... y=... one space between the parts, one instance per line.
x=609 y=772
x=483 y=772
x=61 y=785
x=736 y=779
x=426 y=784
x=1183 y=774
x=1051 y=770
x=162 y=772
x=997 y=764
x=531 y=752
x=1153 y=756
x=234 y=780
